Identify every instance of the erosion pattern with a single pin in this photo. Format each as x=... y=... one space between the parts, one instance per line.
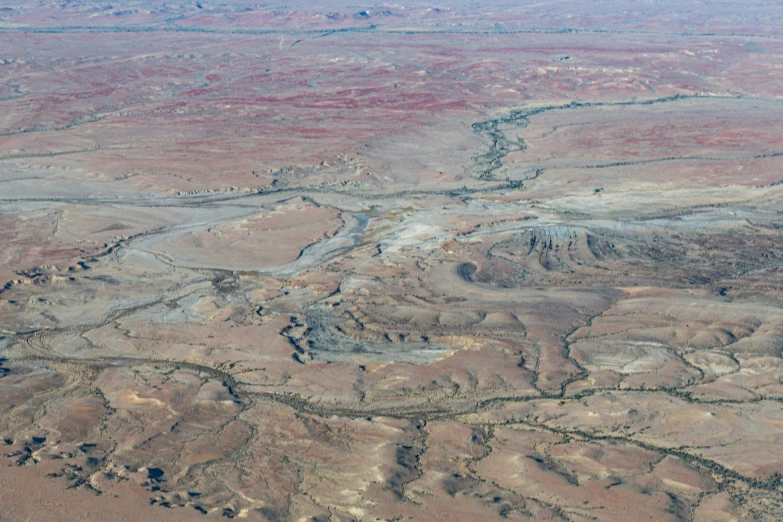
x=457 y=261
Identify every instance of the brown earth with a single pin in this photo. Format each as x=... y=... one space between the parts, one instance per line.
x=328 y=262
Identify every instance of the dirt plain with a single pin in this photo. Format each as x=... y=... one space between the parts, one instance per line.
x=326 y=262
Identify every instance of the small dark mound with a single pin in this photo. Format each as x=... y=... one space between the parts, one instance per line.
x=466 y=271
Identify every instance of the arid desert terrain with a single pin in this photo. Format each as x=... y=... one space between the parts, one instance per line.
x=456 y=261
